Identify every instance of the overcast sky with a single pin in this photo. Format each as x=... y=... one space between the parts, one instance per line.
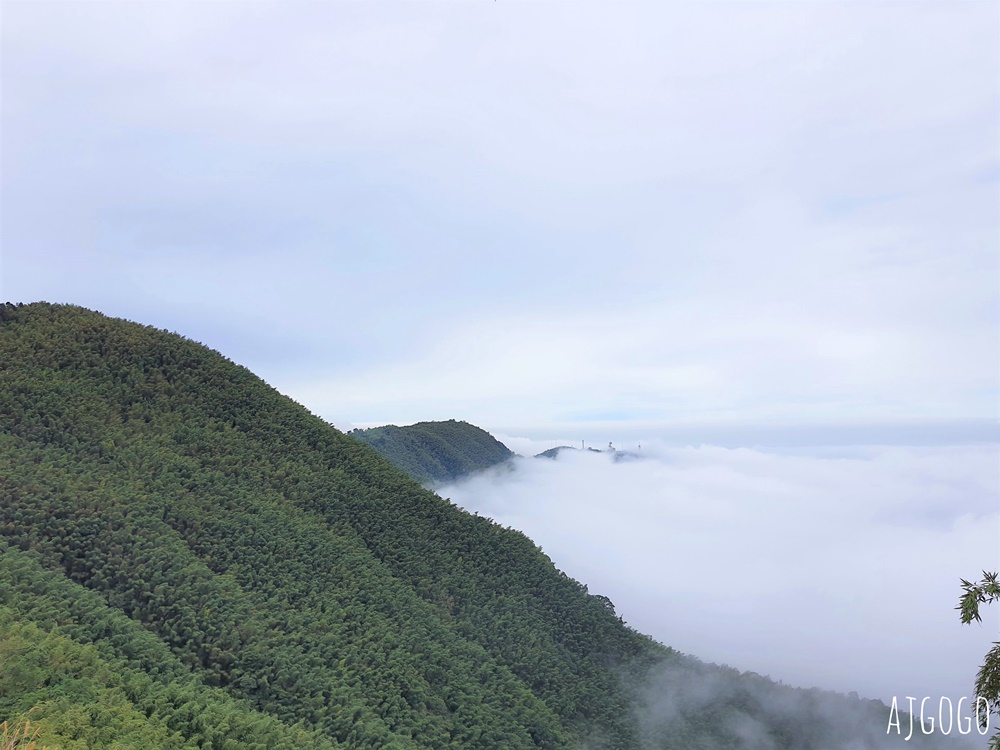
x=544 y=218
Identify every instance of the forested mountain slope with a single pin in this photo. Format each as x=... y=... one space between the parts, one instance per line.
x=190 y=559
x=436 y=451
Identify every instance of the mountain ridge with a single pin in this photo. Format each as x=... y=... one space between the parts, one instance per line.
x=166 y=518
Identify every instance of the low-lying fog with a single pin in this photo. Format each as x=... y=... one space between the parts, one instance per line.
x=839 y=569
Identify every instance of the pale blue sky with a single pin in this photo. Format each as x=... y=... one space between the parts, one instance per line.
x=546 y=218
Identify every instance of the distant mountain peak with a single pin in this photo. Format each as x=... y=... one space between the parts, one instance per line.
x=436 y=452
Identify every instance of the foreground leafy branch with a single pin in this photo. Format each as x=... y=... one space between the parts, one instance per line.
x=985 y=591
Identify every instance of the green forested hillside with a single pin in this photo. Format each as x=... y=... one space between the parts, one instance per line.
x=190 y=559
x=436 y=451
x=98 y=678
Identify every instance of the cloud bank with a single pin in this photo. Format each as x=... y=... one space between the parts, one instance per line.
x=837 y=570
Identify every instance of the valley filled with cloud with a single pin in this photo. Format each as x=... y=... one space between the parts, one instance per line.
x=838 y=568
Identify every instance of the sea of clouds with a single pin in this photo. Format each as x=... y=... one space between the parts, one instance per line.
x=834 y=568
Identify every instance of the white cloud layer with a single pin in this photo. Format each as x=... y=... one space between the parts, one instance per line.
x=838 y=569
